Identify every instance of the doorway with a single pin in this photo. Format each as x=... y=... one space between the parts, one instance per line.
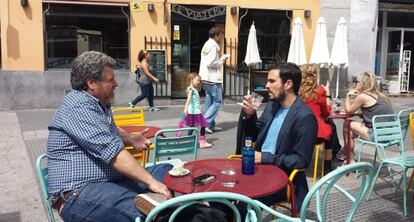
x=188 y=38
x=399 y=64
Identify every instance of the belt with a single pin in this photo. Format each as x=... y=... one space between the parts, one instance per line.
x=59 y=201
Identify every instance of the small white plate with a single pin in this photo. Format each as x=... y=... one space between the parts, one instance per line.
x=179 y=174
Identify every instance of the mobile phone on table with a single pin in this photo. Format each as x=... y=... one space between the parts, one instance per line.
x=203 y=179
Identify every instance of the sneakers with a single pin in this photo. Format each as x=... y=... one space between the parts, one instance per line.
x=203 y=143
x=146 y=202
x=153 y=109
x=208 y=130
x=211 y=130
x=130 y=105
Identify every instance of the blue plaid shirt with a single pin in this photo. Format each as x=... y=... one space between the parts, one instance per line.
x=83 y=140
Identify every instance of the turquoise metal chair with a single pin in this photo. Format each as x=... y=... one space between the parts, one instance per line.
x=321 y=190
x=42 y=174
x=387 y=131
x=404 y=116
x=254 y=212
x=173 y=143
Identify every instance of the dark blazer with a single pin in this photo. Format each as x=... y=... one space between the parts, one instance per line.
x=295 y=143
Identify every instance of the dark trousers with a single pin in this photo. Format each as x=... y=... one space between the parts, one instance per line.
x=147 y=91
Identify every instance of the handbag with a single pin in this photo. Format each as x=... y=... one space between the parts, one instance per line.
x=137 y=74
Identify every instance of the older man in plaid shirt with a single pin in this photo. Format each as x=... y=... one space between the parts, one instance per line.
x=92 y=177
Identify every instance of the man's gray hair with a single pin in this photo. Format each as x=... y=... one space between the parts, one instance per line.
x=89 y=66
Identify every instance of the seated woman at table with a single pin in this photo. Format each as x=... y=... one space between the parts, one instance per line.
x=371 y=101
x=317 y=97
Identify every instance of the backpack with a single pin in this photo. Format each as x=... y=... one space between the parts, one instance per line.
x=137 y=74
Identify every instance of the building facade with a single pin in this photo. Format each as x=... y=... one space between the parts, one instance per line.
x=380 y=37
x=40 y=39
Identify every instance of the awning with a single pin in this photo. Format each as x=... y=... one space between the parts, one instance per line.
x=90 y=2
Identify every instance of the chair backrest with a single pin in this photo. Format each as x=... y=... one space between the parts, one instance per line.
x=175 y=142
x=131 y=116
x=128 y=116
x=322 y=189
x=404 y=116
x=140 y=156
x=387 y=131
x=226 y=198
x=42 y=173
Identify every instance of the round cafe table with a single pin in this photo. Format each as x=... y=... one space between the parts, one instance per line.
x=267 y=179
x=152 y=130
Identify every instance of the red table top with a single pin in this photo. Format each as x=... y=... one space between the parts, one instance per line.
x=267 y=179
x=152 y=130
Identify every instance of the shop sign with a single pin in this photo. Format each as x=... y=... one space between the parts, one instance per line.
x=158 y=63
x=137 y=5
x=199 y=15
x=176 y=33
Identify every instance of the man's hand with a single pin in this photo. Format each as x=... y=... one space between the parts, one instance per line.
x=257 y=157
x=140 y=142
x=248 y=106
x=158 y=187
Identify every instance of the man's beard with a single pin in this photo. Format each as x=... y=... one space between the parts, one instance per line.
x=280 y=98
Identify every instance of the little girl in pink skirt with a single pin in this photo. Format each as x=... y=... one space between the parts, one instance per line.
x=192 y=110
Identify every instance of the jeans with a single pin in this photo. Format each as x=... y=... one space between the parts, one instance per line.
x=109 y=200
x=147 y=91
x=213 y=102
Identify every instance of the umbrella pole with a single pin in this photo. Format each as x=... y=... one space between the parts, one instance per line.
x=249 y=84
x=337 y=83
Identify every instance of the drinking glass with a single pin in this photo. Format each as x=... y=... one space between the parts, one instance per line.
x=256 y=100
x=228 y=177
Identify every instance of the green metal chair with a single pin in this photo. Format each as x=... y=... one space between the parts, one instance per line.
x=254 y=212
x=42 y=174
x=321 y=190
x=404 y=116
x=387 y=131
x=168 y=144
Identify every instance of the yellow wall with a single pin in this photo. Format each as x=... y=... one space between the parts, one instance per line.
x=22 y=28
x=22 y=36
x=144 y=23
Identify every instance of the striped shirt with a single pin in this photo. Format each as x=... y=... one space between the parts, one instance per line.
x=83 y=140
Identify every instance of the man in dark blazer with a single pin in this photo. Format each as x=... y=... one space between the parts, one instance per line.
x=285 y=134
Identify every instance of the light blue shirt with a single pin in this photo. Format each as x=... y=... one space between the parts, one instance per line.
x=269 y=144
x=194 y=105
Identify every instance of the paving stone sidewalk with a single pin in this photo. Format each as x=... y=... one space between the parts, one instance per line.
x=24 y=134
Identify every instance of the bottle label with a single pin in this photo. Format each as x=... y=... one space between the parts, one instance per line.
x=248 y=161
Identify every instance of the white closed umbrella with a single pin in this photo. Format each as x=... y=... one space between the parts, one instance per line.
x=320 y=51
x=339 y=53
x=297 y=51
x=252 y=51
